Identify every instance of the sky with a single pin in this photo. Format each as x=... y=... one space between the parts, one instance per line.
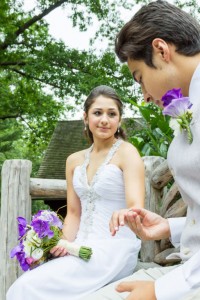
x=60 y=27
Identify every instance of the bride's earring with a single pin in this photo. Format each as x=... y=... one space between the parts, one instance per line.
x=118 y=130
x=85 y=128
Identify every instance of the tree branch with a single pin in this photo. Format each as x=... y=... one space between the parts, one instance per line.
x=9 y=117
x=12 y=63
x=33 y=77
x=30 y=127
x=29 y=23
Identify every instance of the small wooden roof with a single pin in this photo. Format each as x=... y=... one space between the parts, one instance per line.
x=67 y=138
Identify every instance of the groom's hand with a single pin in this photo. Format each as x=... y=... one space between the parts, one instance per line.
x=147 y=225
x=139 y=290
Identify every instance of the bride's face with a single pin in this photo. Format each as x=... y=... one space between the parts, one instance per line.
x=103 y=117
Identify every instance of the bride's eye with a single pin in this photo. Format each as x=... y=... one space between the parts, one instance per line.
x=112 y=114
x=97 y=113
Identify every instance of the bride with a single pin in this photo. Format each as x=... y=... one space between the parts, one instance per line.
x=104 y=178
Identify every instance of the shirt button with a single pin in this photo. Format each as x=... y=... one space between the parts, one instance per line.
x=192 y=222
x=186 y=251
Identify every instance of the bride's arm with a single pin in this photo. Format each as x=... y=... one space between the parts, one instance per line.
x=72 y=219
x=134 y=183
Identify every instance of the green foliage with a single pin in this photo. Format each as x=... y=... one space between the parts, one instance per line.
x=8 y=134
x=39 y=75
x=37 y=205
x=153 y=135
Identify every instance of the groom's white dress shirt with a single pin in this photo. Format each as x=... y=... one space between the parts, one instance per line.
x=184 y=162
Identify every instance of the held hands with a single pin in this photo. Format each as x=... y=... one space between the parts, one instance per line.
x=139 y=290
x=145 y=224
x=119 y=218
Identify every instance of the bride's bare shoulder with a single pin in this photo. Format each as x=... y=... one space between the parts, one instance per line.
x=76 y=158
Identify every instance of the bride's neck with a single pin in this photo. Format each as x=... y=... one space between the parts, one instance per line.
x=103 y=145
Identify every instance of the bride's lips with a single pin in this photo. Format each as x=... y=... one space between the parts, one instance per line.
x=103 y=128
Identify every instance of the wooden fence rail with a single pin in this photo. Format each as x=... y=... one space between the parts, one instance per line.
x=47 y=188
x=18 y=190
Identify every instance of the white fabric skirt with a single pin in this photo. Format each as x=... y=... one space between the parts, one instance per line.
x=71 y=278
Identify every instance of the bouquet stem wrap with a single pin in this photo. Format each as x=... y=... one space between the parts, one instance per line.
x=76 y=250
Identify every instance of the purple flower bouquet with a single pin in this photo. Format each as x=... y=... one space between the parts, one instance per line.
x=36 y=240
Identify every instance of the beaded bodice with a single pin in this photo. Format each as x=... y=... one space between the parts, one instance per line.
x=101 y=197
x=109 y=156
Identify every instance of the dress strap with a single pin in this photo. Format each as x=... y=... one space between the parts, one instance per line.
x=112 y=151
x=87 y=155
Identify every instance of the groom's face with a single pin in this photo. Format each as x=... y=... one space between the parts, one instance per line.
x=150 y=79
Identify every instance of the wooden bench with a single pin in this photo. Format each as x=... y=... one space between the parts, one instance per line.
x=18 y=190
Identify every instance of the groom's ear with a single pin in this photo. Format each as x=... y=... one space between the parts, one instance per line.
x=161 y=48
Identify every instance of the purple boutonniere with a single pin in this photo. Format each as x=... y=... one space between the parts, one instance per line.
x=178 y=108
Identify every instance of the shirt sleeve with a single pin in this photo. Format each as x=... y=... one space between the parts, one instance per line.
x=180 y=281
x=176 y=228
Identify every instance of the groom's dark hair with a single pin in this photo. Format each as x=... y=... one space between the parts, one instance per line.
x=158 y=19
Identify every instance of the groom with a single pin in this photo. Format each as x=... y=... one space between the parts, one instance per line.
x=161 y=45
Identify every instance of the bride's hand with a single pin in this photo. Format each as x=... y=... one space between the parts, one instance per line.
x=118 y=219
x=58 y=251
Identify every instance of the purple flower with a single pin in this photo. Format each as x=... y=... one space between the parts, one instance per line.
x=20 y=255
x=48 y=216
x=170 y=95
x=22 y=261
x=38 y=214
x=177 y=107
x=56 y=221
x=22 y=223
x=42 y=228
x=16 y=250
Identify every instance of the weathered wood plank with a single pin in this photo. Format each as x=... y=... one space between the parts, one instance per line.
x=161 y=175
x=165 y=244
x=48 y=188
x=15 y=201
x=161 y=259
x=178 y=209
x=152 y=200
x=169 y=198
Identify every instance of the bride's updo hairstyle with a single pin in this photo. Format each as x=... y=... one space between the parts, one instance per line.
x=107 y=92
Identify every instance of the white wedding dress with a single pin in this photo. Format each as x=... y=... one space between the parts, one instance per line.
x=69 y=277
